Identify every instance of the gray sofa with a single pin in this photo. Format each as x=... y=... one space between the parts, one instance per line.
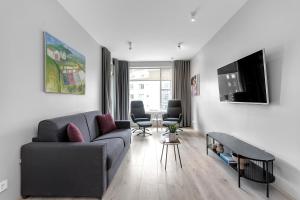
x=51 y=166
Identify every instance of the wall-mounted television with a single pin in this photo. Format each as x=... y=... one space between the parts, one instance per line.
x=245 y=80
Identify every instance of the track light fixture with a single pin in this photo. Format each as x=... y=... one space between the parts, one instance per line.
x=193 y=15
x=179 y=45
x=130 y=45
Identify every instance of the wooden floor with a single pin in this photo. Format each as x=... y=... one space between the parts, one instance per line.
x=141 y=176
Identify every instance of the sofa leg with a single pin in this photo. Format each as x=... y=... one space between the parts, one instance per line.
x=25 y=196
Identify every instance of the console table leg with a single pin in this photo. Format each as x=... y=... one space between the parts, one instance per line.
x=206 y=144
x=239 y=172
x=267 y=178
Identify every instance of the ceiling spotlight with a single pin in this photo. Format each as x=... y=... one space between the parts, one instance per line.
x=193 y=15
x=130 y=45
x=179 y=45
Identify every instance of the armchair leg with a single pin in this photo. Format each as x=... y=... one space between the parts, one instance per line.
x=144 y=132
x=133 y=130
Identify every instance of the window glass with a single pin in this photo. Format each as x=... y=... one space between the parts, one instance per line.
x=153 y=86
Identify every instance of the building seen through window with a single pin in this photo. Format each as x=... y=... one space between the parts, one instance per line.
x=153 y=86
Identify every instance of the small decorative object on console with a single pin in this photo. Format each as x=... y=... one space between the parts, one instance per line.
x=214 y=147
x=243 y=162
x=220 y=148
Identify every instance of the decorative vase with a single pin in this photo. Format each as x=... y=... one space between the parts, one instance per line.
x=243 y=161
x=220 y=148
x=214 y=147
x=172 y=137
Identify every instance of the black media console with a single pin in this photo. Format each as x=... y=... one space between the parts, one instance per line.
x=251 y=162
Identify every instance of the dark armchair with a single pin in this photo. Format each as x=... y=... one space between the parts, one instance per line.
x=137 y=112
x=174 y=113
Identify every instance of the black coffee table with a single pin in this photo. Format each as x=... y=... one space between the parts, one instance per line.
x=144 y=125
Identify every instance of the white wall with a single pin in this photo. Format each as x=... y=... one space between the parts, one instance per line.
x=273 y=25
x=22 y=100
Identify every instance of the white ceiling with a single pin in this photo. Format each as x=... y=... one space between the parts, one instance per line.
x=154 y=26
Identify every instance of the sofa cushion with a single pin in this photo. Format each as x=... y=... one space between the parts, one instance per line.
x=74 y=133
x=92 y=123
x=114 y=148
x=106 y=123
x=124 y=134
x=55 y=130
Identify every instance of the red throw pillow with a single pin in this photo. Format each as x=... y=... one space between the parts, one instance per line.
x=106 y=123
x=74 y=133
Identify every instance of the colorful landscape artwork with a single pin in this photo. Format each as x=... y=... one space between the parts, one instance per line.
x=64 y=67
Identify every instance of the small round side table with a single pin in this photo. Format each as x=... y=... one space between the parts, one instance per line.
x=165 y=142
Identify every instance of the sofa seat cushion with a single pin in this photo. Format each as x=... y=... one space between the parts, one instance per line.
x=114 y=148
x=124 y=134
x=171 y=119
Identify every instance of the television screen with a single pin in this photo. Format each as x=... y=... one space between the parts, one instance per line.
x=245 y=80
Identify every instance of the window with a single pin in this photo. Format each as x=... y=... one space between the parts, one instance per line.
x=141 y=86
x=153 y=86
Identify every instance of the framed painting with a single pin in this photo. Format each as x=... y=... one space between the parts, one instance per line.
x=64 y=67
x=195 y=85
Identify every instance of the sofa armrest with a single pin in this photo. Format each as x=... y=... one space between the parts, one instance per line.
x=122 y=124
x=63 y=169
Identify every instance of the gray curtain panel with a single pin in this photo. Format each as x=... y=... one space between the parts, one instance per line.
x=182 y=90
x=106 y=71
x=121 y=74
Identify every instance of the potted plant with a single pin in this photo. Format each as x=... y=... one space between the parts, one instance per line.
x=172 y=134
